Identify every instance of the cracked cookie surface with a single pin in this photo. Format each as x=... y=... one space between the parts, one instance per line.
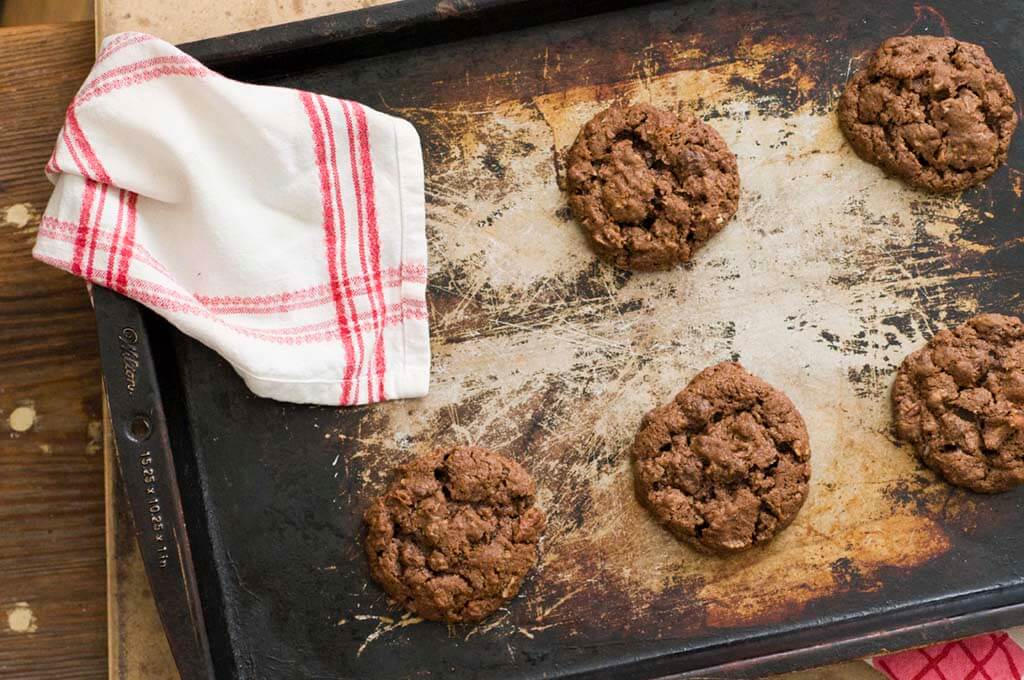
x=725 y=465
x=932 y=111
x=960 y=401
x=650 y=187
x=454 y=534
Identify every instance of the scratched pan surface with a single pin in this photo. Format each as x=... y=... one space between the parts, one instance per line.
x=829 y=275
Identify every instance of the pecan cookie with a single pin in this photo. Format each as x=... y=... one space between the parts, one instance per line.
x=650 y=187
x=455 y=534
x=932 y=111
x=725 y=465
x=960 y=401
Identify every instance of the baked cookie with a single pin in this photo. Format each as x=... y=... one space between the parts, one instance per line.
x=932 y=111
x=960 y=401
x=725 y=465
x=650 y=187
x=453 y=536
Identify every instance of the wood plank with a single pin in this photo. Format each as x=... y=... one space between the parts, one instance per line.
x=22 y=12
x=52 y=590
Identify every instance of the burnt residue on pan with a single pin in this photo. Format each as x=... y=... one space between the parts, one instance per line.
x=828 y=276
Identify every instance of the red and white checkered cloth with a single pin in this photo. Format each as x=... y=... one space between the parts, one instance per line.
x=281 y=228
x=993 y=656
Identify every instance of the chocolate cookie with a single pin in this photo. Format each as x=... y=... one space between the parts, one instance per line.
x=960 y=401
x=650 y=187
x=932 y=111
x=725 y=465
x=453 y=536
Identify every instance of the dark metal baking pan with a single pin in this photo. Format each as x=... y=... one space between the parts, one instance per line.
x=829 y=275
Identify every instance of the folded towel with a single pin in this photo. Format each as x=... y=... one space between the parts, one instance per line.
x=283 y=229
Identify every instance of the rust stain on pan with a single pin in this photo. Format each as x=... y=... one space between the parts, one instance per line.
x=820 y=285
x=769 y=590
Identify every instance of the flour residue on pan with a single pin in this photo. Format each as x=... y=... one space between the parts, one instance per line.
x=828 y=275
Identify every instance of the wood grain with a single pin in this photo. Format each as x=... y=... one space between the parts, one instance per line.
x=23 y=12
x=52 y=606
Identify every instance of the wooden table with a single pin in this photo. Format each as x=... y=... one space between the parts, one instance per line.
x=52 y=569
x=53 y=613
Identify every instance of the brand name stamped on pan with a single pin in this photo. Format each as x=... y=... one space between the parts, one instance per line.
x=152 y=501
x=128 y=340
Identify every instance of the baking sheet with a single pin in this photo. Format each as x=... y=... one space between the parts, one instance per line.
x=829 y=274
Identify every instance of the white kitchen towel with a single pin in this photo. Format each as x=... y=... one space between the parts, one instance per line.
x=283 y=229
